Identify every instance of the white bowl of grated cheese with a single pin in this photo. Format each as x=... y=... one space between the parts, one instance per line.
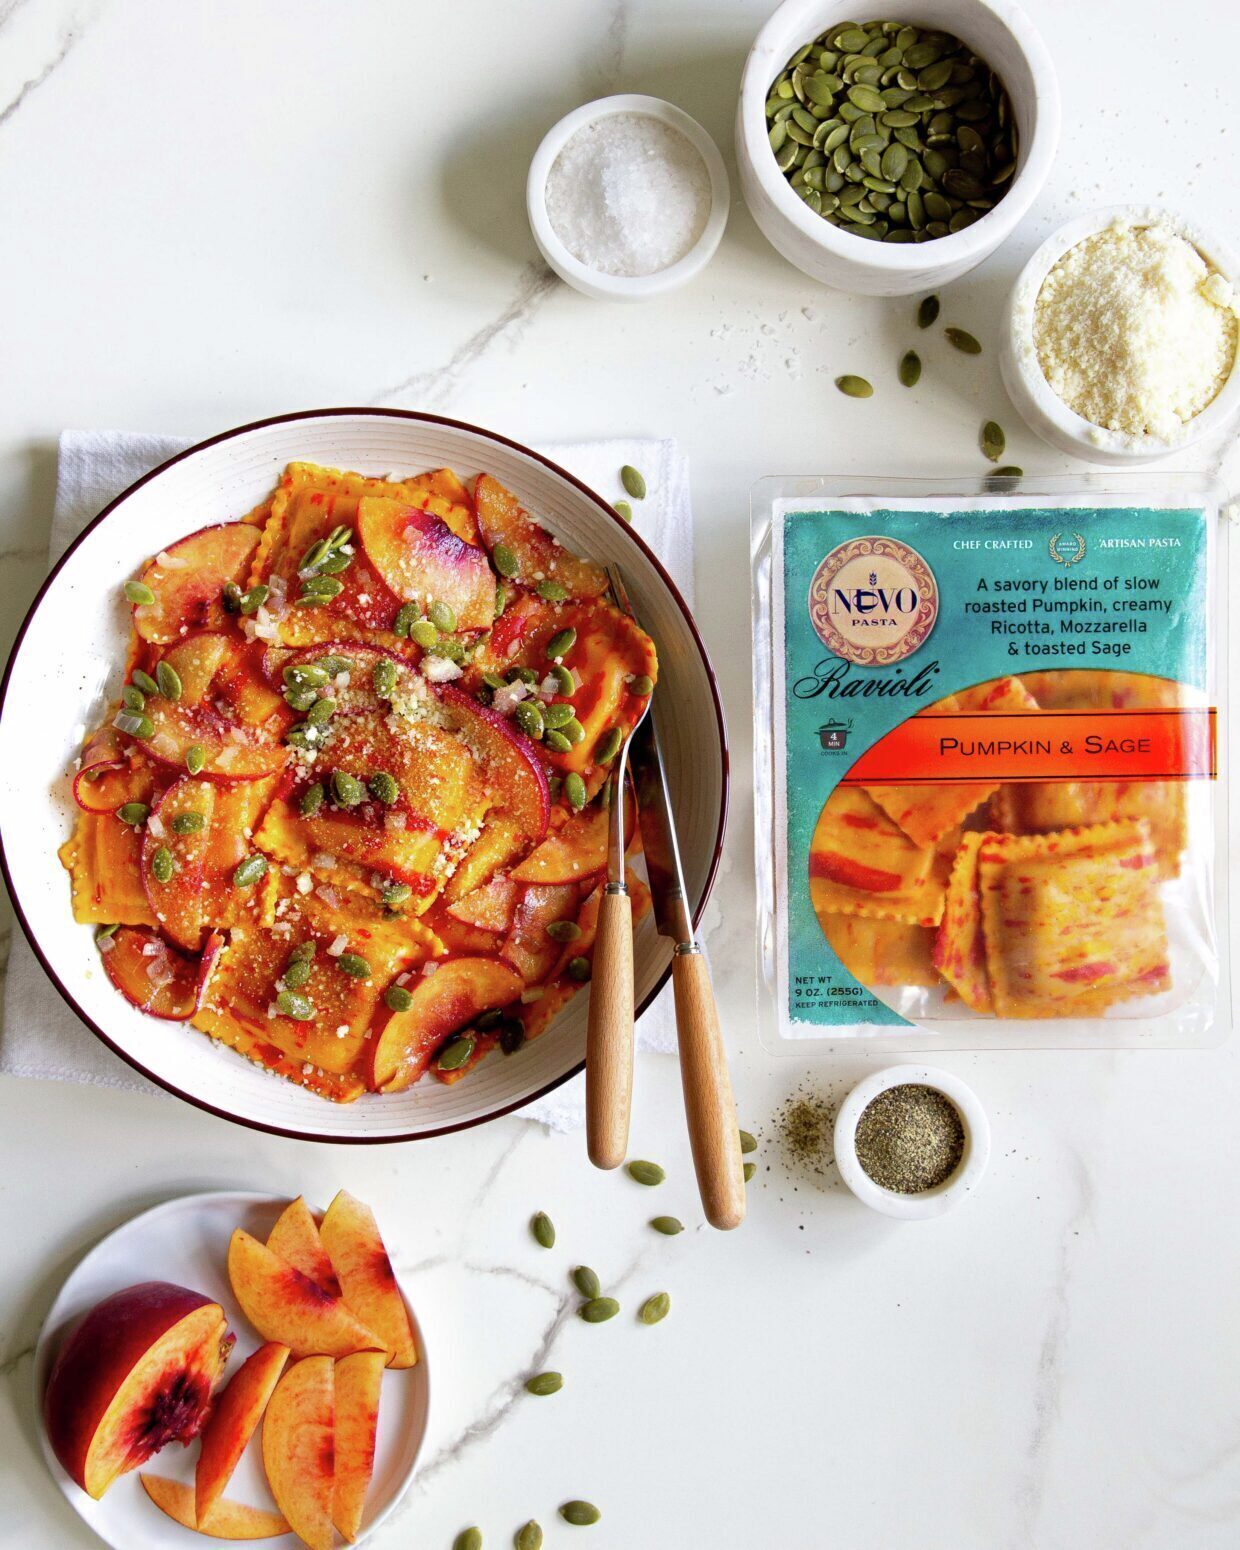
x=627 y=197
x=1120 y=339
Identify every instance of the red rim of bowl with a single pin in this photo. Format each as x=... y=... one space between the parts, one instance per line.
x=427 y=419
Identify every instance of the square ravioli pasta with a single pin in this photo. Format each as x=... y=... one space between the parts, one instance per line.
x=349 y=814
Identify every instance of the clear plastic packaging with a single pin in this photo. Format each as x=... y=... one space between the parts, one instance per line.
x=988 y=807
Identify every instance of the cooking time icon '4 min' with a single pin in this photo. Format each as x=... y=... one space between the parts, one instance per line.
x=833 y=735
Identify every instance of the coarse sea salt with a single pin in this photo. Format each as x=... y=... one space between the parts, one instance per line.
x=628 y=195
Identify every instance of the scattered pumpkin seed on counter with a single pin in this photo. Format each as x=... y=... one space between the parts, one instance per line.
x=634 y=482
x=580 y=1514
x=586 y=1281
x=468 y=1539
x=655 y=1309
x=543 y=1230
x=892 y=132
x=599 y=1309
x=854 y=387
x=669 y=1226
x=529 y=1536
x=910 y=368
x=927 y=311
x=624 y=511
x=544 y=1383
x=993 y=441
x=963 y=341
x=648 y=1173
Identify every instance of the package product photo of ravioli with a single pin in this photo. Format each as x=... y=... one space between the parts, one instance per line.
x=987 y=745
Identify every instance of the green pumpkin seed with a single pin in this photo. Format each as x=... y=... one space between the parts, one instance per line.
x=543 y=1230
x=1008 y=471
x=854 y=387
x=311 y=800
x=297 y=973
x=910 y=368
x=305 y=951
x=633 y=482
x=574 y=789
x=134 y=813
x=669 y=1226
x=655 y=1309
x=397 y=998
x=187 y=823
x=586 y=1282
x=529 y=718
x=563 y=930
x=106 y=932
x=511 y=1036
x=145 y=682
x=354 y=965
x=963 y=341
x=608 y=746
x=641 y=686
x=749 y=1170
x=557 y=742
x=578 y=970
x=133 y=699
x=254 y=599
x=749 y=1142
x=384 y=787
x=468 y=1539
x=648 y=1173
x=139 y=594
x=552 y=591
x=557 y=715
x=423 y=633
x=442 y=617
x=290 y=1004
x=529 y=1537
x=572 y=731
x=580 y=1514
x=162 y=865
x=347 y=790
x=623 y=510
x=544 y=1383
x=300 y=699
x=250 y=871
x=456 y=1052
x=321 y=712
x=927 y=311
x=195 y=758
x=505 y=560
x=599 y=1309
x=406 y=614
x=561 y=643
x=993 y=441
x=134 y=725
x=383 y=679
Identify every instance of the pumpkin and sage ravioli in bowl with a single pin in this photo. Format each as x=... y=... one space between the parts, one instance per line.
x=349 y=816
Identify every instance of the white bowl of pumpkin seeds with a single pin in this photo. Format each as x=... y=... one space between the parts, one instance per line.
x=893 y=155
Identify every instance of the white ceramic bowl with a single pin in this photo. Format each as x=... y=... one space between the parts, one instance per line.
x=66 y=665
x=1040 y=406
x=931 y=1202
x=1004 y=36
x=185 y=1241
x=614 y=287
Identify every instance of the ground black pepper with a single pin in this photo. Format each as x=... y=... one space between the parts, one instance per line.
x=910 y=1139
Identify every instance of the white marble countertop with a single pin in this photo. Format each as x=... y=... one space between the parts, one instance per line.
x=217 y=212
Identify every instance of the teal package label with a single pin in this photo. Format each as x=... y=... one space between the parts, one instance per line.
x=886 y=611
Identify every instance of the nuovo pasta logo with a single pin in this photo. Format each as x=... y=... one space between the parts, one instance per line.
x=873 y=601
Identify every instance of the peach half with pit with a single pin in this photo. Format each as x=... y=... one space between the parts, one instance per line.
x=136 y=1374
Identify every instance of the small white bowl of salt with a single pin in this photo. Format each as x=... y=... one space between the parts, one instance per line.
x=627 y=197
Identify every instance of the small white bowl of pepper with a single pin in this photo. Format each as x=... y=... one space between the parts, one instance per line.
x=911 y=1141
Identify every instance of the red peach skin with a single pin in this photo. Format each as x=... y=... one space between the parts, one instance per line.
x=351 y=1237
x=284 y=1305
x=232 y=1423
x=359 y=1380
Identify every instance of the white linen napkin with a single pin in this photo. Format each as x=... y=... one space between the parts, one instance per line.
x=41 y=1037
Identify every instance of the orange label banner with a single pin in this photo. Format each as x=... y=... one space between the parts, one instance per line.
x=961 y=747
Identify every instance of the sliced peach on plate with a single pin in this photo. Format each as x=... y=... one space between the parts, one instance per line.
x=299 y=1449
x=284 y=1305
x=503 y=521
x=460 y=989
x=359 y=1381
x=136 y=1374
x=153 y=976
x=189 y=578
x=295 y=1238
x=226 y=1520
x=423 y=561
x=234 y=1417
x=351 y=1237
x=529 y=947
x=174 y=850
x=514 y=773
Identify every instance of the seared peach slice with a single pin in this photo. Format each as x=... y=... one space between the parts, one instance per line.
x=284 y=1305
x=359 y=1381
x=152 y=975
x=109 y=775
x=461 y=989
x=234 y=1417
x=513 y=769
x=299 y=1449
x=531 y=949
x=351 y=1237
x=489 y=908
x=295 y=1238
x=503 y=521
x=174 y=849
x=136 y=1374
x=188 y=581
x=423 y=561
x=576 y=851
x=226 y=1520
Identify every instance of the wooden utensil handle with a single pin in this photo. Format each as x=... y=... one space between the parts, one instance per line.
x=709 y=1108
x=609 y=1037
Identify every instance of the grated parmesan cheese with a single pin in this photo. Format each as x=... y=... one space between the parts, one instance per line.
x=1134 y=331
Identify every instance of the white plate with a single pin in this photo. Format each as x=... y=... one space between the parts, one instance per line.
x=67 y=663
x=185 y=1241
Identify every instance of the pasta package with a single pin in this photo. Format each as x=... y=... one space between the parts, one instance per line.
x=989 y=805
